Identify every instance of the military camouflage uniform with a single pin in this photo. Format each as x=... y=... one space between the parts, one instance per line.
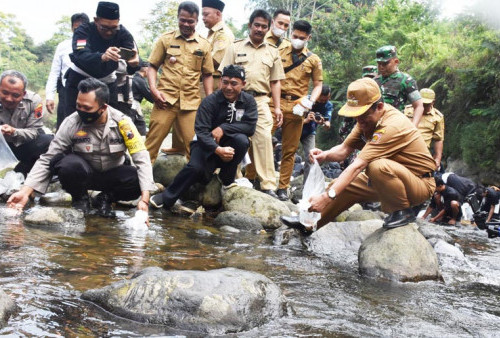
x=398 y=88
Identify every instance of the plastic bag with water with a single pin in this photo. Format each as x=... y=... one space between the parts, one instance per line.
x=7 y=158
x=315 y=185
x=11 y=183
x=138 y=222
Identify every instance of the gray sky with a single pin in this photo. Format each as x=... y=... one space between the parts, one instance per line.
x=38 y=18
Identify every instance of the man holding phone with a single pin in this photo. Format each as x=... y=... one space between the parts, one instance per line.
x=97 y=48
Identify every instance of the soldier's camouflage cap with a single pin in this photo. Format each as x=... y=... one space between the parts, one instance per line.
x=369 y=71
x=386 y=53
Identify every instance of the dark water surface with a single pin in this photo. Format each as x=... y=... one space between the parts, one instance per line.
x=46 y=271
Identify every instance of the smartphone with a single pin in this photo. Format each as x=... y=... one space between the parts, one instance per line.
x=126 y=53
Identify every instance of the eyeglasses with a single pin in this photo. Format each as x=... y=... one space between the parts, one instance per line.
x=108 y=29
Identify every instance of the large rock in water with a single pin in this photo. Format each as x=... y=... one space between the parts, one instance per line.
x=166 y=167
x=237 y=220
x=256 y=204
x=213 y=302
x=7 y=308
x=56 y=219
x=401 y=254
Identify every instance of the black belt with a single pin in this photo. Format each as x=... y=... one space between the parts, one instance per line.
x=430 y=174
x=290 y=97
x=254 y=93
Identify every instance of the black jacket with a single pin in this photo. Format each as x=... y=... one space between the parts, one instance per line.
x=213 y=113
x=140 y=89
x=88 y=47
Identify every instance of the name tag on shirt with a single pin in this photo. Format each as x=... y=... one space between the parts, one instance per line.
x=239 y=114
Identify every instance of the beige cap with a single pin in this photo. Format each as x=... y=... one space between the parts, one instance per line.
x=428 y=95
x=361 y=94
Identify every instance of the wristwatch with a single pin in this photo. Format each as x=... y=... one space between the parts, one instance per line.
x=331 y=193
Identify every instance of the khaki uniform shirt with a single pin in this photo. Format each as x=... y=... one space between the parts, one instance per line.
x=395 y=138
x=280 y=43
x=26 y=118
x=183 y=61
x=262 y=64
x=431 y=125
x=219 y=37
x=297 y=80
x=103 y=148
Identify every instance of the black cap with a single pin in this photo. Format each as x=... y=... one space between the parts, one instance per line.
x=108 y=10
x=217 y=4
x=234 y=71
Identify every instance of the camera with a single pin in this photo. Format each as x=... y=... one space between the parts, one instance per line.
x=318 y=117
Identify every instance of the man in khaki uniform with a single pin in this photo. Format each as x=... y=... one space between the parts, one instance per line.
x=279 y=27
x=264 y=71
x=219 y=37
x=398 y=166
x=431 y=126
x=184 y=56
x=301 y=66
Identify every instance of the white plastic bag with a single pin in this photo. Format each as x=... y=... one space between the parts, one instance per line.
x=7 y=158
x=315 y=185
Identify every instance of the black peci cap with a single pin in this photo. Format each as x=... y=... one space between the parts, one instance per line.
x=234 y=71
x=108 y=10
x=217 y=4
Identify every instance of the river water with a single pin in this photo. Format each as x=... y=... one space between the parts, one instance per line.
x=46 y=272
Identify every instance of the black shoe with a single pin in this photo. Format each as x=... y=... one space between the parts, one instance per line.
x=399 y=218
x=270 y=193
x=156 y=201
x=293 y=222
x=282 y=194
x=256 y=184
x=102 y=204
x=81 y=204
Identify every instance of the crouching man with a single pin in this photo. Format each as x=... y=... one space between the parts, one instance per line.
x=21 y=120
x=396 y=161
x=224 y=121
x=89 y=153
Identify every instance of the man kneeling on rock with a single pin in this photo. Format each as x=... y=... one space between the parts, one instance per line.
x=398 y=165
x=89 y=153
x=224 y=121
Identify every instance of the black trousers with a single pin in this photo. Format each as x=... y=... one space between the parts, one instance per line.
x=71 y=92
x=29 y=152
x=201 y=167
x=77 y=176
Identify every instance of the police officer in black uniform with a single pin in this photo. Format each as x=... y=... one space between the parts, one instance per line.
x=96 y=52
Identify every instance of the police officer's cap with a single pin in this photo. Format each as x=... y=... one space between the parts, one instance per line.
x=386 y=53
x=108 y=10
x=234 y=71
x=217 y=4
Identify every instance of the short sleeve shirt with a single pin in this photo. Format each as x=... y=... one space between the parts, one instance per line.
x=394 y=138
x=219 y=37
x=262 y=64
x=431 y=125
x=183 y=61
x=297 y=80
x=398 y=89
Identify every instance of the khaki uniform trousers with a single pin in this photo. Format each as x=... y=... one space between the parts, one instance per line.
x=386 y=181
x=177 y=142
x=291 y=130
x=261 y=150
x=161 y=121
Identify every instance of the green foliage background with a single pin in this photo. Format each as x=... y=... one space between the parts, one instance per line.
x=459 y=59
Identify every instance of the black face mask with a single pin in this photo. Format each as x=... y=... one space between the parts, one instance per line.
x=89 y=117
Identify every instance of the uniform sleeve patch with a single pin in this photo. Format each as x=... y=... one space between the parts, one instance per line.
x=80 y=44
x=38 y=111
x=377 y=135
x=131 y=136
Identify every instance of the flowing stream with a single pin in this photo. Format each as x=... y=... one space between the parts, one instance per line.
x=46 y=272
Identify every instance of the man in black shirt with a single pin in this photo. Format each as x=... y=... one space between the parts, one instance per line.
x=491 y=197
x=224 y=121
x=450 y=206
x=96 y=52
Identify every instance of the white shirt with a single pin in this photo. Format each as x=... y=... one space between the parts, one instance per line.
x=60 y=65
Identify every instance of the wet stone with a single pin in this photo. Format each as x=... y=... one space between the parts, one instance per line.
x=429 y=231
x=166 y=167
x=7 y=308
x=212 y=302
x=400 y=254
x=59 y=198
x=266 y=209
x=55 y=218
x=237 y=220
